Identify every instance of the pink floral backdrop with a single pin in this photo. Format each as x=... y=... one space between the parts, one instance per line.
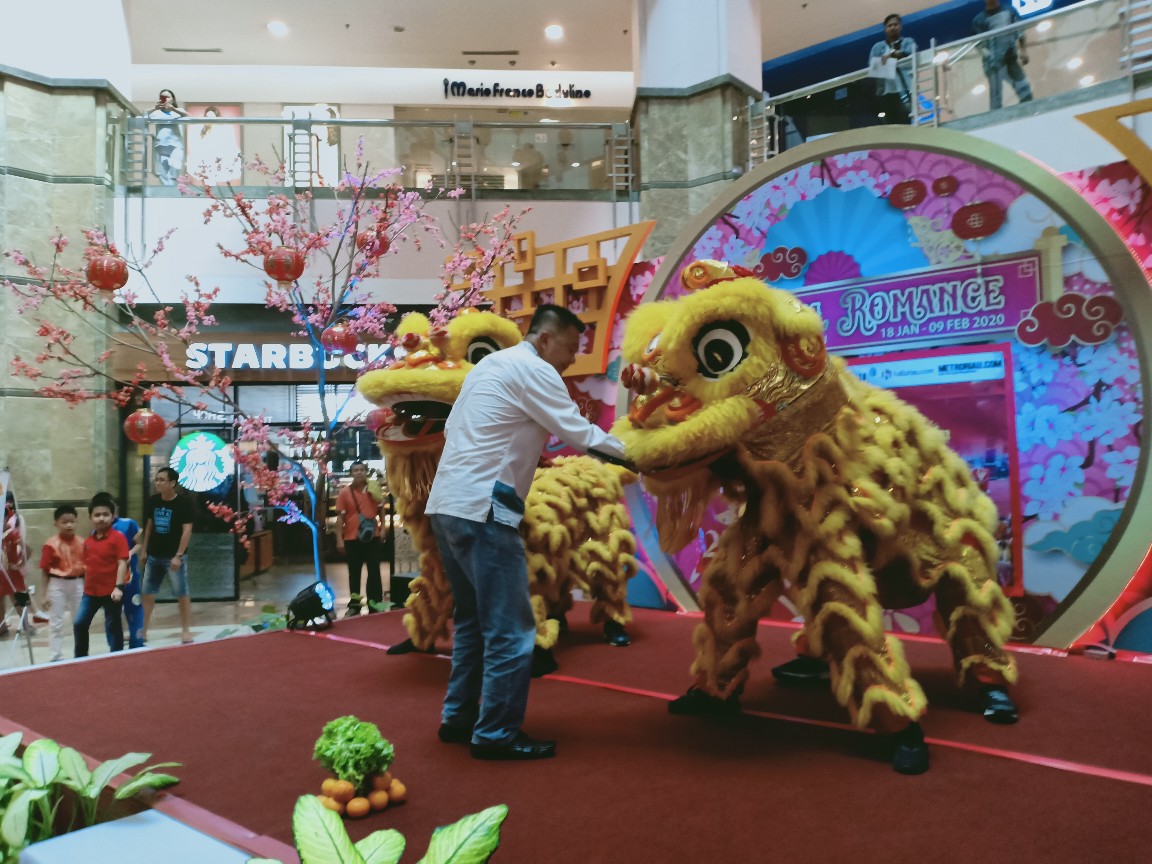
x=869 y=214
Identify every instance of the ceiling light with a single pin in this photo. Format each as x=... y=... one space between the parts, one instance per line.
x=575 y=164
x=515 y=164
x=1075 y=63
x=277 y=28
x=548 y=120
x=1087 y=80
x=978 y=89
x=881 y=114
x=554 y=32
x=941 y=57
x=1043 y=26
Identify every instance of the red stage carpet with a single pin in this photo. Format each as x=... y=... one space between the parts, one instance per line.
x=787 y=781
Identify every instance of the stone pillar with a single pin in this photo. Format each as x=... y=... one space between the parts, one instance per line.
x=55 y=176
x=697 y=64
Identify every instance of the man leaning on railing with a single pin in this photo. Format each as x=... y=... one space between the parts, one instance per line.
x=893 y=87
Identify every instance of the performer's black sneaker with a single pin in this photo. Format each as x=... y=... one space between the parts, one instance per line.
x=408 y=647
x=998 y=706
x=910 y=755
x=697 y=703
x=616 y=635
x=543 y=662
x=802 y=671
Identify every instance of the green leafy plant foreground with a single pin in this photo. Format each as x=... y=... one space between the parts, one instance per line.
x=321 y=839
x=32 y=788
x=353 y=749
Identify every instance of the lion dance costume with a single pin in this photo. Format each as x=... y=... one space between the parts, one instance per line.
x=852 y=501
x=576 y=530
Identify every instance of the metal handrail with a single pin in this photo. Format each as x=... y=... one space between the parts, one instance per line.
x=973 y=41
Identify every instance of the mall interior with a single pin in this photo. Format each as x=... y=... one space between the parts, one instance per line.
x=752 y=132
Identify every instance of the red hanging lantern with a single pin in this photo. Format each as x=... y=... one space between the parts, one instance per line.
x=339 y=339
x=284 y=264
x=373 y=241
x=107 y=272
x=974 y=221
x=907 y=194
x=945 y=186
x=144 y=428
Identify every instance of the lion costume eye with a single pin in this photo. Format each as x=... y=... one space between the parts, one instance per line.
x=479 y=348
x=652 y=346
x=720 y=347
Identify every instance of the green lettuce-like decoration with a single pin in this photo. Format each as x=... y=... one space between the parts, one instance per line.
x=352 y=749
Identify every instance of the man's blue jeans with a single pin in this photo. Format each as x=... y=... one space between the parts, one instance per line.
x=495 y=629
x=112 y=624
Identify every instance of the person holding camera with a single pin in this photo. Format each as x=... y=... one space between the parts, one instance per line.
x=357 y=535
x=893 y=85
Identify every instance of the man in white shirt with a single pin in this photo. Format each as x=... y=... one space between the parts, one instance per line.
x=509 y=405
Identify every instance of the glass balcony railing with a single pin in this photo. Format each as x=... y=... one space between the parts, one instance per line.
x=545 y=160
x=1071 y=49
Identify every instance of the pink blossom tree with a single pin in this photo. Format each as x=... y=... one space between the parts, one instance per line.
x=333 y=311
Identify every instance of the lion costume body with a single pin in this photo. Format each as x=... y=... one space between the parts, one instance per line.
x=852 y=500
x=576 y=530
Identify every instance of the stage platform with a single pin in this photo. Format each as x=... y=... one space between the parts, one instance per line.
x=787 y=780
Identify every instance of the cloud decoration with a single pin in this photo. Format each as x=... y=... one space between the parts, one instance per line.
x=1083 y=541
x=781 y=263
x=1055 y=323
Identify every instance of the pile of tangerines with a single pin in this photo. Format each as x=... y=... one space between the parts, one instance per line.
x=341 y=796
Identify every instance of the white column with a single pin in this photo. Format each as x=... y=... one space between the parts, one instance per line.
x=69 y=39
x=681 y=43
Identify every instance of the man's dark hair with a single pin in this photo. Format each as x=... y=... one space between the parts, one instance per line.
x=557 y=316
x=354 y=464
x=63 y=510
x=102 y=499
x=888 y=18
x=171 y=473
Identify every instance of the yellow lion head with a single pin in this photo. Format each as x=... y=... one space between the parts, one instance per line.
x=711 y=368
x=428 y=369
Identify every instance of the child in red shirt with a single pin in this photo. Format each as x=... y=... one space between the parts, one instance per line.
x=105 y=571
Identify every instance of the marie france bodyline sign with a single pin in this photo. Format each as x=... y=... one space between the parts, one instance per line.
x=988 y=297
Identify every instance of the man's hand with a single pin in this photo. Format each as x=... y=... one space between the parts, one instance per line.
x=117 y=594
x=174 y=563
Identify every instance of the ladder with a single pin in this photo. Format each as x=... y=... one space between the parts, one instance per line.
x=1138 y=47
x=763 y=133
x=620 y=159
x=136 y=149
x=300 y=162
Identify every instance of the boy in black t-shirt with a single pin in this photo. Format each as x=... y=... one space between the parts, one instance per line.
x=167 y=532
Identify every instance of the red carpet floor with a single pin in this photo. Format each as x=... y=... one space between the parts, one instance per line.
x=1072 y=782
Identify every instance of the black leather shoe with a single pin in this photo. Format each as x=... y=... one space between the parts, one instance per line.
x=616 y=635
x=407 y=647
x=802 y=671
x=519 y=749
x=998 y=706
x=543 y=662
x=455 y=734
x=697 y=703
x=910 y=755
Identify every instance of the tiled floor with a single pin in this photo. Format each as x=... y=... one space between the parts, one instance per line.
x=210 y=620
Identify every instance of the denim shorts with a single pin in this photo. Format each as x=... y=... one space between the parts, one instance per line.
x=158 y=569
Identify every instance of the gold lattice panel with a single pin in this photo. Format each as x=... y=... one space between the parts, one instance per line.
x=586 y=275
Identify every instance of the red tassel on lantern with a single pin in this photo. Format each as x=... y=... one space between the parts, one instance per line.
x=284 y=264
x=145 y=427
x=108 y=272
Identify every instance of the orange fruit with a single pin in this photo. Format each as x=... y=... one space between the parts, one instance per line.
x=378 y=799
x=381 y=782
x=343 y=791
x=331 y=804
x=397 y=792
x=328 y=786
x=358 y=808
